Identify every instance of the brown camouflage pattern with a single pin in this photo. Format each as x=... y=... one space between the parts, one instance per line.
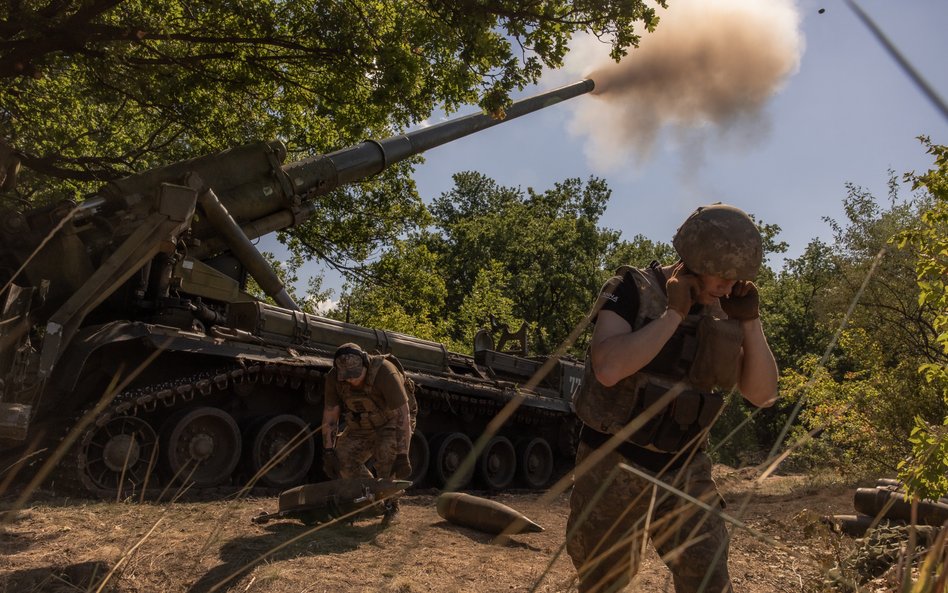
x=605 y=537
x=720 y=240
x=356 y=446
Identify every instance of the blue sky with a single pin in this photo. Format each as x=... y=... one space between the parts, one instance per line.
x=847 y=114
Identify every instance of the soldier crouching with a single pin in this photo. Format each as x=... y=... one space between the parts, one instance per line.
x=370 y=391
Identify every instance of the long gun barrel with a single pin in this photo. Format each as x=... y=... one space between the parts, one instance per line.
x=321 y=174
x=164 y=255
x=263 y=195
x=155 y=232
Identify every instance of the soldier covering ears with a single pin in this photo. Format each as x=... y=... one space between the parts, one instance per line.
x=669 y=343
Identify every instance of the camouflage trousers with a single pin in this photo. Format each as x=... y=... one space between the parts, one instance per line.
x=606 y=537
x=356 y=446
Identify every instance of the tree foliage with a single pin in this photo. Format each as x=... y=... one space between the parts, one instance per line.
x=407 y=294
x=94 y=90
x=794 y=306
x=862 y=397
x=519 y=255
x=288 y=272
x=639 y=252
x=862 y=416
x=926 y=472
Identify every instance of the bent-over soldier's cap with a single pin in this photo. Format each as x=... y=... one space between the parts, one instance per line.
x=349 y=360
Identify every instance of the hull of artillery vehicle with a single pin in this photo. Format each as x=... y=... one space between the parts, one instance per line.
x=132 y=360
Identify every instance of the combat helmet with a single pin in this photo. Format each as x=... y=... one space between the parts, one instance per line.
x=350 y=360
x=720 y=240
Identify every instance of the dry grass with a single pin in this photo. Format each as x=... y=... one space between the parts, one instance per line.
x=201 y=547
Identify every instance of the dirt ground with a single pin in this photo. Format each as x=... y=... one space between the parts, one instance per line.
x=61 y=545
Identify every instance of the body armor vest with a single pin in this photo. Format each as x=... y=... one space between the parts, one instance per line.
x=366 y=407
x=698 y=363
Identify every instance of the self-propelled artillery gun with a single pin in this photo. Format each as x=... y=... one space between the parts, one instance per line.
x=131 y=353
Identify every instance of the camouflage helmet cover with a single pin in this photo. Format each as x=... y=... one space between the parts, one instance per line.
x=720 y=240
x=350 y=360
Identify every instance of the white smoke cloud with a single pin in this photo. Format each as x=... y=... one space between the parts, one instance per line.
x=708 y=71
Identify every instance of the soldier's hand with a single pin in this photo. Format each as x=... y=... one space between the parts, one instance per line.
x=681 y=289
x=743 y=303
x=401 y=469
x=331 y=465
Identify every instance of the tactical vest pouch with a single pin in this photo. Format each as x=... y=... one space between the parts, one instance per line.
x=362 y=411
x=605 y=409
x=648 y=395
x=676 y=425
x=678 y=353
x=370 y=420
x=677 y=422
x=716 y=363
x=686 y=418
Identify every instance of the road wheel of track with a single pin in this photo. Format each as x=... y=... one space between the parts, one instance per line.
x=497 y=465
x=119 y=455
x=283 y=444
x=201 y=445
x=535 y=462
x=450 y=452
x=420 y=456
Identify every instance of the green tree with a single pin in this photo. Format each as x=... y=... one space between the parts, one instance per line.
x=94 y=90
x=926 y=471
x=406 y=294
x=793 y=306
x=864 y=398
x=487 y=297
x=288 y=273
x=549 y=242
x=639 y=252
x=520 y=255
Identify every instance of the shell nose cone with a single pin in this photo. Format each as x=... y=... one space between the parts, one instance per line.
x=530 y=527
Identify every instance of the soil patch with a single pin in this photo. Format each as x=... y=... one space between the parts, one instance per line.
x=202 y=547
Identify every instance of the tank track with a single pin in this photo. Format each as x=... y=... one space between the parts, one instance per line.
x=72 y=474
x=73 y=470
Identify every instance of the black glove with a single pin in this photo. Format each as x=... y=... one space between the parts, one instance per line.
x=681 y=288
x=331 y=464
x=743 y=303
x=401 y=468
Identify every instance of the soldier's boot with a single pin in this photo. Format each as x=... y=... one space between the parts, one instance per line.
x=390 y=511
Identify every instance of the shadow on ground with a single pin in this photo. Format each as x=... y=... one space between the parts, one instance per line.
x=282 y=541
x=83 y=576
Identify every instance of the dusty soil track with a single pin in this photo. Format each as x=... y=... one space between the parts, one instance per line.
x=64 y=545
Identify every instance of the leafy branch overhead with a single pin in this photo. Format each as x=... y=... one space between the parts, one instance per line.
x=98 y=89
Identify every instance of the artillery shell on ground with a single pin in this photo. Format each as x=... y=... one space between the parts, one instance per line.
x=858 y=526
x=326 y=501
x=853 y=525
x=889 y=482
x=483 y=514
x=895 y=505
